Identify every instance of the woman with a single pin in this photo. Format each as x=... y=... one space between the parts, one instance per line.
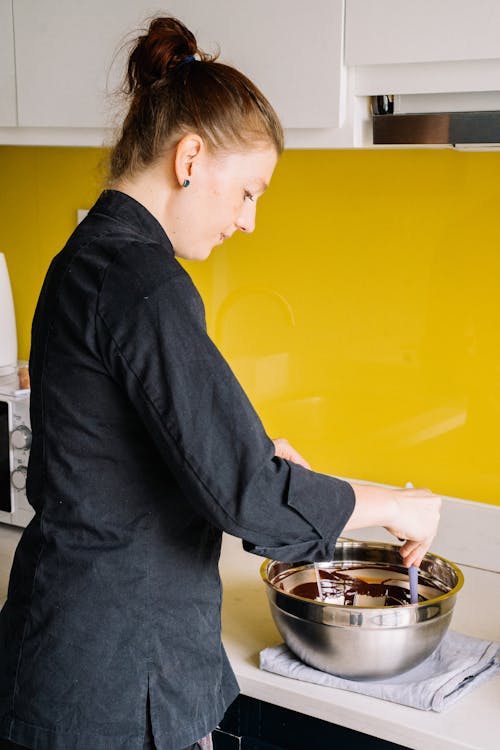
x=145 y=448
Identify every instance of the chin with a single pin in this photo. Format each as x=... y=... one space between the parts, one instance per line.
x=197 y=255
x=202 y=255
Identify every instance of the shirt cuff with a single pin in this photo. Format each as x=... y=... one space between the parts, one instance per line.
x=326 y=503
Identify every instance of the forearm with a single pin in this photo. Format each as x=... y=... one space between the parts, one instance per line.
x=375 y=506
x=410 y=514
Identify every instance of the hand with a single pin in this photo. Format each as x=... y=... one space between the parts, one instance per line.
x=411 y=514
x=284 y=450
x=416 y=521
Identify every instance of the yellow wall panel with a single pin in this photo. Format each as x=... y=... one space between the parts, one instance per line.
x=362 y=316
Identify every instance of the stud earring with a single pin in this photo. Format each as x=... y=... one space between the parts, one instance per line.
x=185 y=184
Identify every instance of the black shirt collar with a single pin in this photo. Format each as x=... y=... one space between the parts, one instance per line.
x=129 y=211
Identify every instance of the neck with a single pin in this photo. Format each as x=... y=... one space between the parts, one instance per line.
x=151 y=188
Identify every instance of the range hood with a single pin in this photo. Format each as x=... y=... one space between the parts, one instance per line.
x=465 y=120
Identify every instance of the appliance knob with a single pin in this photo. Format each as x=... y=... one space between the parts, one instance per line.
x=18 y=477
x=21 y=438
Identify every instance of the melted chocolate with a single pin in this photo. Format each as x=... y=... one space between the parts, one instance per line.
x=347 y=588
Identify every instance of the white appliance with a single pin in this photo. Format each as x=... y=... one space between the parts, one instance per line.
x=15 y=442
x=15 y=428
x=8 y=335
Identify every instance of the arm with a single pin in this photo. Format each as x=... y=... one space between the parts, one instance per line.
x=410 y=514
x=153 y=343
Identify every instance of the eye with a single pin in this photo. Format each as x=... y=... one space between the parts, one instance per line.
x=248 y=195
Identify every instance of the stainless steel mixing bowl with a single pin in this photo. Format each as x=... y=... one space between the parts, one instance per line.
x=359 y=642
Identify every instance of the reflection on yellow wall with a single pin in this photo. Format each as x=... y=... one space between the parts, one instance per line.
x=362 y=317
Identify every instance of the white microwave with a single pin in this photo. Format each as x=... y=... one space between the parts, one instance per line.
x=15 y=442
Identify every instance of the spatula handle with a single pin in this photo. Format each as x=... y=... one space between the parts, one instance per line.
x=413 y=575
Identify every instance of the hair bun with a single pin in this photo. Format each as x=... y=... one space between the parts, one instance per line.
x=165 y=45
x=171 y=96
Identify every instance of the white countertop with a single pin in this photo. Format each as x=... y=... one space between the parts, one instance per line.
x=472 y=723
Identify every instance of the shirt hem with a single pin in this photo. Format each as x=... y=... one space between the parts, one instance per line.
x=39 y=738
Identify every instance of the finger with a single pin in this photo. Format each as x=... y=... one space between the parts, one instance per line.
x=411 y=551
x=413 y=558
x=416 y=558
x=408 y=547
x=284 y=450
x=416 y=555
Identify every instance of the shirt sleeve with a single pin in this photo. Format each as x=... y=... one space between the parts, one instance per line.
x=153 y=341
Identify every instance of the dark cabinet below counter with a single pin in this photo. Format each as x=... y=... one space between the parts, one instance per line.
x=251 y=724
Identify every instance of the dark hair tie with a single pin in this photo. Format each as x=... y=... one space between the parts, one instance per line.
x=186 y=60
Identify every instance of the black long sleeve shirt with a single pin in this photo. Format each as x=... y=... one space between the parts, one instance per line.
x=145 y=448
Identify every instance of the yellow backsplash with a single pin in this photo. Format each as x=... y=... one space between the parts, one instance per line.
x=362 y=316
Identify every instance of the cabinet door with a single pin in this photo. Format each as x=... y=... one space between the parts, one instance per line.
x=63 y=55
x=405 y=31
x=8 y=116
x=68 y=60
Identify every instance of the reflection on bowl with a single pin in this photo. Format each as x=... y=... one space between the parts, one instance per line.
x=364 y=634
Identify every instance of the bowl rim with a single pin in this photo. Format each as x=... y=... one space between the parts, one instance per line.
x=377 y=545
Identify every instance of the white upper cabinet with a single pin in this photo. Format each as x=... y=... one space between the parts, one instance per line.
x=68 y=59
x=64 y=53
x=403 y=46
x=8 y=116
x=292 y=50
x=405 y=31
x=317 y=62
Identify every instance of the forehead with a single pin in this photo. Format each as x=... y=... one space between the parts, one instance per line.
x=254 y=164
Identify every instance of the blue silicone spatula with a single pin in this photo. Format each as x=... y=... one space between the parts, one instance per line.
x=413 y=573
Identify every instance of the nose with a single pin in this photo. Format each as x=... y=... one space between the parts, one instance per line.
x=246 y=219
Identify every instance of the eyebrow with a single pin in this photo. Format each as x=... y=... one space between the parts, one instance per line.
x=257 y=185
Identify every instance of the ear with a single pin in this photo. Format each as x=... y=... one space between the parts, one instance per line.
x=187 y=151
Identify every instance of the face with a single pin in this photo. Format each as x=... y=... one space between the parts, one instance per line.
x=221 y=199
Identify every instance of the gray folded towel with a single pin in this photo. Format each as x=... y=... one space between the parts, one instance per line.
x=459 y=664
